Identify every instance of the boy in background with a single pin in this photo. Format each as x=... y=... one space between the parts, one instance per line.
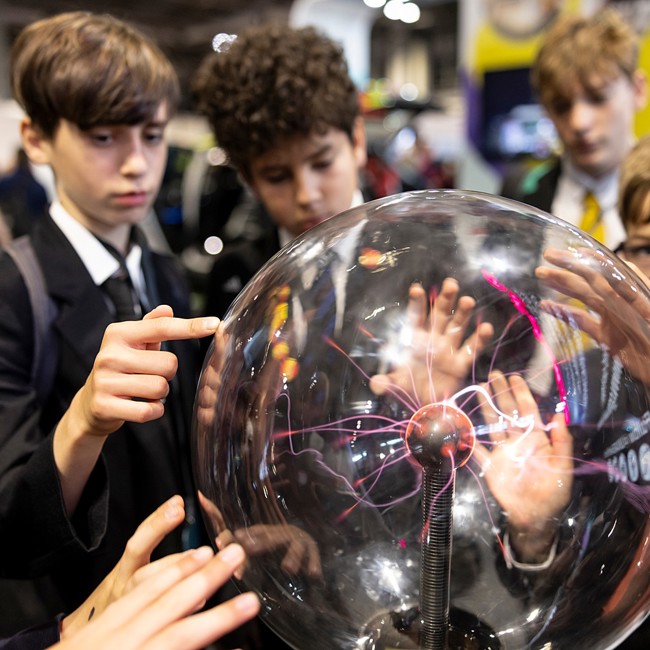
x=634 y=205
x=587 y=78
x=634 y=208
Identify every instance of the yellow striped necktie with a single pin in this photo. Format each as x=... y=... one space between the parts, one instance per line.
x=572 y=341
x=592 y=222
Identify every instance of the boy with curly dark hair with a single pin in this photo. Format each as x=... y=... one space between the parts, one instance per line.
x=283 y=107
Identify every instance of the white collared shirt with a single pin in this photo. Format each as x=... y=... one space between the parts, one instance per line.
x=340 y=267
x=569 y=198
x=95 y=257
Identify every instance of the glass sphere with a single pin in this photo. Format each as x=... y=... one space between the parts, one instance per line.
x=426 y=420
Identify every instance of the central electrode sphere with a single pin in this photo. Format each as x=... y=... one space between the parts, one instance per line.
x=440 y=434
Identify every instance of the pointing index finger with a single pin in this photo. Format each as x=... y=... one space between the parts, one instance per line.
x=157 y=330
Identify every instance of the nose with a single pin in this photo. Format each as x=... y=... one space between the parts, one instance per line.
x=581 y=116
x=306 y=187
x=134 y=161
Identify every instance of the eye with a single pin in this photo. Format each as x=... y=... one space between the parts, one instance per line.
x=323 y=164
x=154 y=136
x=598 y=98
x=560 y=106
x=101 y=137
x=276 y=178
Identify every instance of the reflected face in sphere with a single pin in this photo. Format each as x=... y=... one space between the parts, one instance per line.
x=427 y=422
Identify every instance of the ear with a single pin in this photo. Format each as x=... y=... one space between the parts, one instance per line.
x=35 y=144
x=359 y=142
x=640 y=83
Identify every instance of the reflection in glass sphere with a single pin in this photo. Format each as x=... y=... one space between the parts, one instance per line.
x=417 y=462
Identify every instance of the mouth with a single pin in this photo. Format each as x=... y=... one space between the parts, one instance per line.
x=313 y=220
x=585 y=148
x=132 y=199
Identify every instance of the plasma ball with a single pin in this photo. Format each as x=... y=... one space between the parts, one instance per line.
x=440 y=434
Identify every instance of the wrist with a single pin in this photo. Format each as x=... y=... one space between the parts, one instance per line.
x=532 y=561
x=74 y=443
x=533 y=544
x=75 y=450
x=72 y=623
x=73 y=439
x=80 y=426
x=66 y=625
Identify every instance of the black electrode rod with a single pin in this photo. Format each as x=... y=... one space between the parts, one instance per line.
x=437 y=501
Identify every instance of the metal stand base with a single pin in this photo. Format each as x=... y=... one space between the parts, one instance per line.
x=401 y=631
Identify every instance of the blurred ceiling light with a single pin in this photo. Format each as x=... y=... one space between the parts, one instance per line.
x=407 y=12
x=410 y=12
x=216 y=156
x=374 y=4
x=393 y=9
x=213 y=245
x=409 y=92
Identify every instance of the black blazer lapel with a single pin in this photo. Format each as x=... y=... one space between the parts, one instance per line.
x=542 y=195
x=83 y=314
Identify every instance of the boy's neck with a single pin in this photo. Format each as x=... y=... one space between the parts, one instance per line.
x=117 y=236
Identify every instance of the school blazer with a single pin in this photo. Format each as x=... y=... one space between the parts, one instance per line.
x=536 y=188
x=140 y=466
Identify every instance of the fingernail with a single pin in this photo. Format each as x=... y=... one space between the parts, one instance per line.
x=172 y=511
x=202 y=553
x=173 y=507
x=211 y=323
x=233 y=554
x=247 y=602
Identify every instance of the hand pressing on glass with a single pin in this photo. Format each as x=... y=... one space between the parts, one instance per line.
x=616 y=311
x=527 y=464
x=440 y=352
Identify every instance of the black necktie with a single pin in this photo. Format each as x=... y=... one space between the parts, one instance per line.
x=320 y=299
x=318 y=363
x=119 y=288
x=122 y=294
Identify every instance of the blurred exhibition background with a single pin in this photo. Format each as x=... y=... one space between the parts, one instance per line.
x=444 y=88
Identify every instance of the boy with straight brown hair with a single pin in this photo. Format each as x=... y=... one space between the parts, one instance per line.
x=83 y=462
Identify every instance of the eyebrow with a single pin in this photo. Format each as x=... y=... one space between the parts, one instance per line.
x=321 y=151
x=111 y=125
